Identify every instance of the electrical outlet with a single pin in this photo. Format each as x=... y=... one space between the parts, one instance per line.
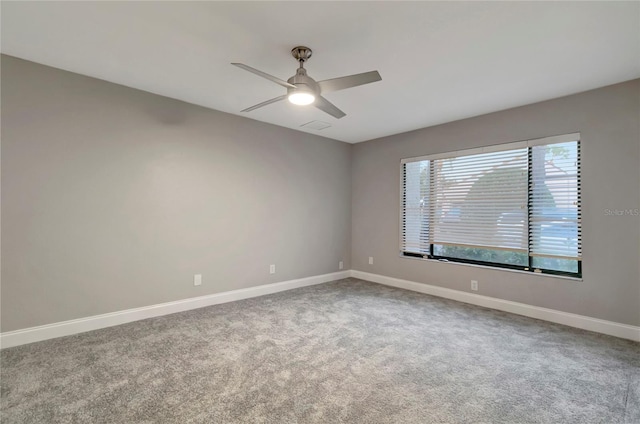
x=474 y=285
x=272 y=269
x=197 y=279
x=340 y=265
x=370 y=260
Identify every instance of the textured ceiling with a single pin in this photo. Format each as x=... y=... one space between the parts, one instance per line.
x=439 y=61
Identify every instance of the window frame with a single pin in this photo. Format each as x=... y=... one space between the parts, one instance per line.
x=487 y=149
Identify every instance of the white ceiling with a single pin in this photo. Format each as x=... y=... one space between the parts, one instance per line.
x=439 y=61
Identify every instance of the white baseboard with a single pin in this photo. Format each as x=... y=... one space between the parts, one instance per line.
x=573 y=320
x=66 y=328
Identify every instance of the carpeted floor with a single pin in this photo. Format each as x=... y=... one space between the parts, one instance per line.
x=343 y=352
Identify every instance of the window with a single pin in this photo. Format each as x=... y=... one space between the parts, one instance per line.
x=513 y=206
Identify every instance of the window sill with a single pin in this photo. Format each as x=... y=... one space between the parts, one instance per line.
x=493 y=268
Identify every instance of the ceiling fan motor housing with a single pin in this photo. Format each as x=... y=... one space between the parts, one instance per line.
x=303 y=83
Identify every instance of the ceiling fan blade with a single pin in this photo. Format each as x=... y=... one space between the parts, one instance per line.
x=264 y=75
x=268 y=102
x=341 y=83
x=328 y=107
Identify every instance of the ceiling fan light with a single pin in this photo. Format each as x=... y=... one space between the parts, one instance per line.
x=302 y=98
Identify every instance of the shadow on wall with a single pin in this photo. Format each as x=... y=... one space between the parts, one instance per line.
x=167 y=113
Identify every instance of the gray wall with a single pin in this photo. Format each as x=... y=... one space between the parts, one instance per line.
x=608 y=120
x=112 y=198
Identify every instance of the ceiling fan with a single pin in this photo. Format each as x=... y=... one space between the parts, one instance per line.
x=304 y=90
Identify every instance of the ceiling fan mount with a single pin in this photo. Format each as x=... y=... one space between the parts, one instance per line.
x=301 y=53
x=304 y=90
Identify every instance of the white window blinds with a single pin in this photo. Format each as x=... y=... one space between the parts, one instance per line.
x=554 y=212
x=480 y=200
x=521 y=199
x=415 y=205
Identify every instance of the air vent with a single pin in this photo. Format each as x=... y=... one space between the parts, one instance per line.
x=316 y=125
